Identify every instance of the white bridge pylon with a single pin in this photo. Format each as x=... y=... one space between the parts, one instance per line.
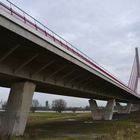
x=133 y=83
x=135 y=73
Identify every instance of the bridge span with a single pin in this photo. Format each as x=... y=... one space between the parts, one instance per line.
x=33 y=58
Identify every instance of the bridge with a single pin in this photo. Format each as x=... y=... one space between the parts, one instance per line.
x=34 y=58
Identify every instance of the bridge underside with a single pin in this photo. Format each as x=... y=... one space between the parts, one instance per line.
x=31 y=60
x=24 y=60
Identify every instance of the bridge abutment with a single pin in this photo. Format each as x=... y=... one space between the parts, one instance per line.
x=102 y=114
x=18 y=105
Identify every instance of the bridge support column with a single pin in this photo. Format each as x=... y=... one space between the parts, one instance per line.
x=108 y=114
x=18 y=105
x=128 y=108
x=1 y=118
x=102 y=114
x=124 y=109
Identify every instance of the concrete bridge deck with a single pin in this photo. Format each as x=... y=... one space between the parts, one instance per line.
x=33 y=59
x=27 y=54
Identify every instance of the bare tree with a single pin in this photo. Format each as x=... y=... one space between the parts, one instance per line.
x=35 y=104
x=47 y=105
x=59 y=105
x=3 y=104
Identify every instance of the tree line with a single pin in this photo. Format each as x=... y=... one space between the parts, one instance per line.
x=57 y=105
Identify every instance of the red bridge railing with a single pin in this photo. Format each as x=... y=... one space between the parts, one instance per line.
x=32 y=22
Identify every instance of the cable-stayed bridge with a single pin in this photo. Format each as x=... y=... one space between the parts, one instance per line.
x=34 y=58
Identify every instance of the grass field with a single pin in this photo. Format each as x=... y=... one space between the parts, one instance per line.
x=79 y=126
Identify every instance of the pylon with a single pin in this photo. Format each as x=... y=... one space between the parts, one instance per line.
x=135 y=73
x=134 y=77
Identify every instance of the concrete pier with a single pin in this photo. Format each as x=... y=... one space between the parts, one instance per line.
x=18 y=105
x=28 y=52
x=102 y=114
x=1 y=117
x=123 y=109
x=108 y=113
x=128 y=108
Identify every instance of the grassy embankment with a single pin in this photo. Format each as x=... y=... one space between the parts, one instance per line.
x=79 y=126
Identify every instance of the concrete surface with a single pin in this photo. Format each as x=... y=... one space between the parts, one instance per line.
x=102 y=113
x=19 y=103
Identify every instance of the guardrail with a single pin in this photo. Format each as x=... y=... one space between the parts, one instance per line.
x=32 y=22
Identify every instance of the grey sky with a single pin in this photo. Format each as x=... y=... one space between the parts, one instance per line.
x=106 y=30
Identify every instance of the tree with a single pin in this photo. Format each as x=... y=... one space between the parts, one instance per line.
x=1 y=103
x=47 y=105
x=87 y=108
x=74 y=109
x=59 y=105
x=35 y=104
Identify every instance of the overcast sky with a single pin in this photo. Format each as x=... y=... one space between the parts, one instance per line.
x=106 y=30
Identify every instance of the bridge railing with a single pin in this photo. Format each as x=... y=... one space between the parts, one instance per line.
x=18 y=13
